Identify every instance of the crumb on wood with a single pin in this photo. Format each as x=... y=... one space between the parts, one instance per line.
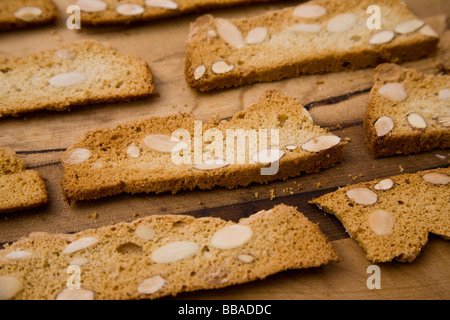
x=256 y=195
x=401 y=168
x=319 y=185
x=272 y=194
x=135 y=214
x=95 y=215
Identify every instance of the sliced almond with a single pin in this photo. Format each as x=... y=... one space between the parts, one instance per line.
x=230 y=237
x=426 y=30
x=212 y=33
x=75 y=294
x=28 y=13
x=320 y=143
x=309 y=11
x=381 y=37
x=80 y=244
x=129 y=9
x=393 y=91
x=245 y=257
x=18 y=254
x=229 y=33
x=145 y=233
x=437 y=178
x=91 y=5
x=199 y=72
x=78 y=262
x=385 y=184
x=77 y=156
x=383 y=126
x=221 y=67
x=175 y=251
x=305 y=27
x=133 y=151
x=166 y=4
x=162 y=142
x=67 y=79
x=152 y=285
x=362 y=196
x=266 y=156
x=342 y=22
x=65 y=54
x=256 y=35
x=416 y=121
x=211 y=164
x=409 y=26
x=9 y=287
x=445 y=121
x=444 y=94
x=381 y=222
x=291 y=147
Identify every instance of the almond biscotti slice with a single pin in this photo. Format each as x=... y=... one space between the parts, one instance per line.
x=408 y=112
x=161 y=255
x=75 y=74
x=275 y=138
x=110 y=12
x=391 y=218
x=21 y=14
x=315 y=37
x=20 y=189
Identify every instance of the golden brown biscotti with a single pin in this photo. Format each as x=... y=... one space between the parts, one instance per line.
x=21 y=14
x=20 y=189
x=391 y=218
x=315 y=37
x=137 y=157
x=408 y=112
x=161 y=255
x=111 y=12
x=75 y=74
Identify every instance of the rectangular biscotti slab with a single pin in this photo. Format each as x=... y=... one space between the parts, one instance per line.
x=109 y=12
x=76 y=74
x=275 y=138
x=392 y=217
x=20 y=188
x=161 y=255
x=315 y=37
x=21 y=14
x=408 y=112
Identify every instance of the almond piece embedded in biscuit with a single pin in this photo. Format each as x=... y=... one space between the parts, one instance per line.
x=229 y=33
x=9 y=287
x=91 y=5
x=166 y=4
x=320 y=143
x=78 y=262
x=129 y=9
x=211 y=164
x=175 y=251
x=381 y=222
x=266 y=156
x=133 y=151
x=305 y=27
x=152 y=285
x=291 y=147
x=245 y=257
x=28 y=13
x=221 y=67
x=444 y=94
x=80 y=244
x=385 y=184
x=199 y=72
x=256 y=35
x=409 y=26
x=230 y=237
x=362 y=196
x=18 y=254
x=77 y=156
x=416 y=121
x=342 y=22
x=383 y=126
x=161 y=142
x=309 y=11
x=67 y=79
x=426 y=30
x=75 y=294
x=437 y=178
x=381 y=37
x=145 y=233
x=393 y=91
x=444 y=121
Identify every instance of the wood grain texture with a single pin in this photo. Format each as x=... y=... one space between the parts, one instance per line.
x=336 y=101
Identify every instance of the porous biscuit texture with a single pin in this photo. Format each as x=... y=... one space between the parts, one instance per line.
x=161 y=255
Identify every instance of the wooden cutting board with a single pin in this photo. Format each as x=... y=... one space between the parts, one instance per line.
x=337 y=101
